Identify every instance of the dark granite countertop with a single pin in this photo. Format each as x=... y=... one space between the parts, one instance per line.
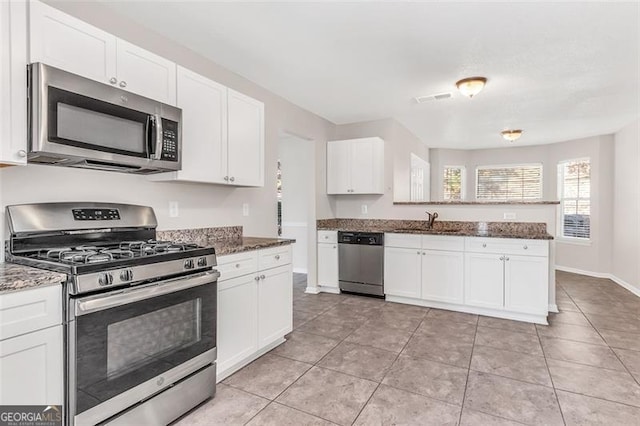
x=247 y=244
x=15 y=277
x=520 y=230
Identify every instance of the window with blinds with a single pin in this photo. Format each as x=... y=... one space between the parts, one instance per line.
x=453 y=182
x=574 y=189
x=518 y=182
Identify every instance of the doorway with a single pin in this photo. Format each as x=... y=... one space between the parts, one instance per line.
x=296 y=197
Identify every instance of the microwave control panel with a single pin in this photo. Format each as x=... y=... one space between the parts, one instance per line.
x=169 y=140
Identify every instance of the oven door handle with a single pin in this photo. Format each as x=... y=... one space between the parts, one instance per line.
x=101 y=302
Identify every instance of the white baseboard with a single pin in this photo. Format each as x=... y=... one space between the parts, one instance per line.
x=553 y=308
x=332 y=290
x=622 y=283
x=299 y=270
x=312 y=290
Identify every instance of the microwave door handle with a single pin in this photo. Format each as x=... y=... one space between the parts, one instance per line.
x=157 y=152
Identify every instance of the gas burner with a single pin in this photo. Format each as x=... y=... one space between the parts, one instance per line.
x=54 y=253
x=98 y=257
x=119 y=253
x=77 y=255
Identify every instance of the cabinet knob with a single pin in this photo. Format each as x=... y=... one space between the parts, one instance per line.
x=484 y=245
x=424 y=254
x=113 y=80
x=326 y=237
x=277 y=257
x=226 y=178
x=335 y=247
x=418 y=252
x=525 y=247
x=237 y=265
x=22 y=153
x=257 y=278
x=123 y=84
x=232 y=178
x=501 y=257
x=262 y=277
x=506 y=258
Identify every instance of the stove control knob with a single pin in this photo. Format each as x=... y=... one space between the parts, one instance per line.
x=126 y=275
x=105 y=279
x=202 y=262
x=188 y=264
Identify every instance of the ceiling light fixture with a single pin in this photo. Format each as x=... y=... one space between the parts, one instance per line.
x=511 y=135
x=471 y=86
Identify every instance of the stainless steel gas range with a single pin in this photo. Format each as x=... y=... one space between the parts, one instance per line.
x=140 y=314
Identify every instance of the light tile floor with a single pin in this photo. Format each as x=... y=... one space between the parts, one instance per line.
x=356 y=360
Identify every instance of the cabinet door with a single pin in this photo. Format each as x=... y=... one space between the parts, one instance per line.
x=402 y=272
x=145 y=73
x=484 y=280
x=275 y=304
x=526 y=281
x=245 y=139
x=204 y=128
x=237 y=328
x=31 y=368
x=367 y=177
x=13 y=82
x=443 y=276
x=65 y=42
x=328 y=265
x=338 y=168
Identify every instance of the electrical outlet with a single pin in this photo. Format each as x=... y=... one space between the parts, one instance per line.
x=364 y=209
x=173 y=209
x=245 y=209
x=509 y=216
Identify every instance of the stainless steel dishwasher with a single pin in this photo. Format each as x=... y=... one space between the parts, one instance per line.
x=361 y=262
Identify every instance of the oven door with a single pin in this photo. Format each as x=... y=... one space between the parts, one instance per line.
x=127 y=345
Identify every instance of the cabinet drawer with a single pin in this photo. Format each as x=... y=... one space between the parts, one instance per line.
x=274 y=257
x=439 y=242
x=30 y=310
x=236 y=265
x=403 y=240
x=507 y=246
x=328 y=237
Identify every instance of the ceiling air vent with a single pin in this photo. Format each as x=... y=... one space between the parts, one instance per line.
x=436 y=97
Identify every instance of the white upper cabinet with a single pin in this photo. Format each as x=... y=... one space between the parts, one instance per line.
x=246 y=140
x=355 y=166
x=222 y=134
x=65 y=42
x=13 y=83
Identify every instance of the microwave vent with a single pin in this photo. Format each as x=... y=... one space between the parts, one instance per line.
x=44 y=159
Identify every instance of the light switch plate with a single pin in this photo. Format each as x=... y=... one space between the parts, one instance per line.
x=510 y=216
x=245 y=209
x=173 y=209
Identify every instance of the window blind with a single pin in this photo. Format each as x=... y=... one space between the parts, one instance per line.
x=574 y=178
x=518 y=182
x=453 y=183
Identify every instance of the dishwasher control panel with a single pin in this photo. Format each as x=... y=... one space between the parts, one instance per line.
x=361 y=238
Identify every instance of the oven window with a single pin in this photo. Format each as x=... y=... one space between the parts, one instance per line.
x=133 y=342
x=118 y=348
x=100 y=130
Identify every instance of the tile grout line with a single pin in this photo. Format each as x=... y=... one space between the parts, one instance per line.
x=553 y=386
x=466 y=383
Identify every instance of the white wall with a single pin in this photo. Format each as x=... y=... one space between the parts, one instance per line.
x=298 y=185
x=626 y=200
x=200 y=205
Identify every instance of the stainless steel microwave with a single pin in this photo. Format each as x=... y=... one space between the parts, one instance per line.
x=77 y=122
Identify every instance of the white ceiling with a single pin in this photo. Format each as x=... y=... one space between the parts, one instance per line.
x=557 y=70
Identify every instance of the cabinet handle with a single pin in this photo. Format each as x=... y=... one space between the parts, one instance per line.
x=123 y=84
x=484 y=245
x=226 y=178
x=262 y=277
x=525 y=247
x=22 y=153
x=232 y=179
x=277 y=257
x=113 y=80
x=237 y=265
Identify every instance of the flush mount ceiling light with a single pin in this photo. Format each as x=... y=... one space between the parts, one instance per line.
x=471 y=86
x=511 y=135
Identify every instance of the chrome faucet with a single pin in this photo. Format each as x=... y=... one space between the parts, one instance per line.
x=431 y=217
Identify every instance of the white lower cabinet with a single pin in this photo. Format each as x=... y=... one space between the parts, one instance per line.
x=31 y=368
x=402 y=271
x=31 y=365
x=255 y=306
x=500 y=277
x=443 y=276
x=328 y=261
